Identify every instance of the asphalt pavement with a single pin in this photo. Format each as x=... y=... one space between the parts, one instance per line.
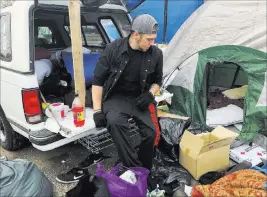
x=59 y=160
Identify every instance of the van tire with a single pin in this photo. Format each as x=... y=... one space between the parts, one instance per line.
x=13 y=140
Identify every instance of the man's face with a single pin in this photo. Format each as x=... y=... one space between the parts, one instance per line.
x=144 y=41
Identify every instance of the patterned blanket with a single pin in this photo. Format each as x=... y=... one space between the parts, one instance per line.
x=243 y=183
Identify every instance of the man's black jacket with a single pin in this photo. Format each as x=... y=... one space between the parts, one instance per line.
x=114 y=59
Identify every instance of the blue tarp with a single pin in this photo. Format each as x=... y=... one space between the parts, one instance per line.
x=131 y=4
x=89 y=63
x=178 y=12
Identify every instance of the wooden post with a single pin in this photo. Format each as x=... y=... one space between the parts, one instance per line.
x=76 y=42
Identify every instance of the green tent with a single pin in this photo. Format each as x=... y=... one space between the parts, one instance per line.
x=224 y=66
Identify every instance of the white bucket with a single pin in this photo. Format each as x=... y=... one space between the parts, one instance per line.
x=59 y=111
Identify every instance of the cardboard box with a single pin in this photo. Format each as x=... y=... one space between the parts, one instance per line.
x=206 y=152
x=245 y=152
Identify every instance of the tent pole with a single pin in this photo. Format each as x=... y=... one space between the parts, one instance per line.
x=165 y=21
x=77 y=54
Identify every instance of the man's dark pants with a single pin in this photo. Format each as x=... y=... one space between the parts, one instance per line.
x=118 y=109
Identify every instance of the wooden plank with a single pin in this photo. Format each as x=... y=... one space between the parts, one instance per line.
x=77 y=54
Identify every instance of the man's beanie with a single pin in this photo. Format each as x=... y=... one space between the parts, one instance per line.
x=144 y=24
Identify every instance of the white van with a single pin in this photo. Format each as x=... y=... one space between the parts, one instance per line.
x=31 y=24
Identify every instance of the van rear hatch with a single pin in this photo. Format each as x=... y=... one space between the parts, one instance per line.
x=129 y=5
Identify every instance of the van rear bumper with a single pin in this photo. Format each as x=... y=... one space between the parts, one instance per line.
x=63 y=141
x=43 y=137
x=39 y=136
x=46 y=140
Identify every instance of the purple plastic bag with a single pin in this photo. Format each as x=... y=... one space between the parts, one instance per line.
x=120 y=188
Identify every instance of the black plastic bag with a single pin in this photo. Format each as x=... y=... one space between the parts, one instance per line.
x=172 y=130
x=169 y=176
x=166 y=152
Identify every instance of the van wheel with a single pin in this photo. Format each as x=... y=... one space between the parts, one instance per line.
x=10 y=140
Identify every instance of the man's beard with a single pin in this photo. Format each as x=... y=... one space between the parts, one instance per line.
x=140 y=49
x=143 y=50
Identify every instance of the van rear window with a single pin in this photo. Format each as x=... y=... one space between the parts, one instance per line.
x=6 y=48
x=110 y=29
x=47 y=35
x=90 y=36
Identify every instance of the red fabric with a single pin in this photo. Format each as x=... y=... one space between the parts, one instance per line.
x=196 y=193
x=154 y=117
x=42 y=53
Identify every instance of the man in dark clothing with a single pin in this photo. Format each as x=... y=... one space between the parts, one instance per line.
x=126 y=78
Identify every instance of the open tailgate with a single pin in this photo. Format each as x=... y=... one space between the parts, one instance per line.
x=129 y=5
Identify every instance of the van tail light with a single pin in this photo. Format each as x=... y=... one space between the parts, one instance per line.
x=32 y=106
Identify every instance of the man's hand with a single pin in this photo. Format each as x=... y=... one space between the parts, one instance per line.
x=99 y=116
x=100 y=119
x=144 y=100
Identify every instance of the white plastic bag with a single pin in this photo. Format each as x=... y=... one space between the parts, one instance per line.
x=129 y=176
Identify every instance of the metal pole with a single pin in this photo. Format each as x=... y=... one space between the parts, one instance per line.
x=165 y=21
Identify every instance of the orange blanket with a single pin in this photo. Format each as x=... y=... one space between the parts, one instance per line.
x=243 y=183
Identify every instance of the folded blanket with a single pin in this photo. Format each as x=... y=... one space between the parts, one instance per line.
x=236 y=93
x=243 y=183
